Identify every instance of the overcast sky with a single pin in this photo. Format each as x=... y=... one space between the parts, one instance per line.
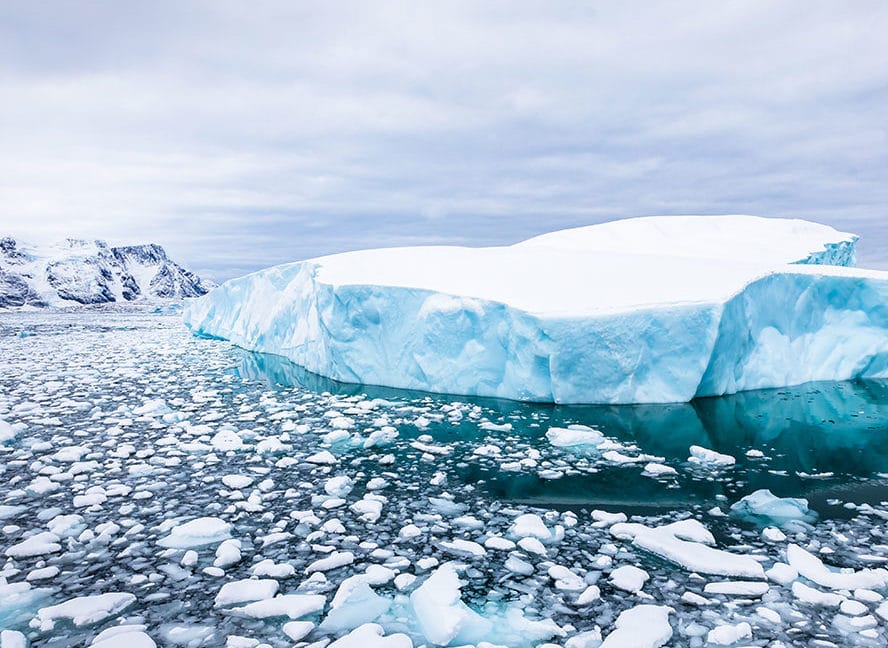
x=245 y=134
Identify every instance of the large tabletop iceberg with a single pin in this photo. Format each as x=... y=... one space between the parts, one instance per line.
x=659 y=309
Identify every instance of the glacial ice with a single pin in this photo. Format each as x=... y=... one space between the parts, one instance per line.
x=763 y=505
x=638 y=311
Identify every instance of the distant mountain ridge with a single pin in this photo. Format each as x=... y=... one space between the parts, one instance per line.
x=78 y=271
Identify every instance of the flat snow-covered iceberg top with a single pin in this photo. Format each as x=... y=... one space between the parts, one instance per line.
x=658 y=309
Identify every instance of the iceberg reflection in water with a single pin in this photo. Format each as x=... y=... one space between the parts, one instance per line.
x=819 y=441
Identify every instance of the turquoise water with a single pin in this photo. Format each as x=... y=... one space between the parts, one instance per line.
x=821 y=441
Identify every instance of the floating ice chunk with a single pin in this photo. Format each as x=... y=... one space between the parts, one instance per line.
x=333 y=561
x=271 y=569
x=228 y=553
x=529 y=525
x=293 y=606
x=589 y=595
x=658 y=470
x=705 y=456
x=462 y=547
x=808 y=594
x=763 y=505
x=369 y=507
x=782 y=573
x=354 y=604
x=84 y=610
x=372 y=635
x=532 y=545
x=323 y=457
x=70 y=454
x=296 y=630
x=13 y=639
x=66 y=526
x=685 y=543
x=38 y=544
x=773 y=534
x=644 y=626
x=237 y=482
x=738 y=588
x=812 y=568
x=244 y=591
x=339 y=486
x=153 y=407
x=565 y=579
x=574 y=436
x=440 y=613
x=604 y=518
x=629 y=578
x=197 y=533
x=130 y=636
x=7 y=431
x=499 y=544
x=226 y=441
x=44 y=573
x=725 y=635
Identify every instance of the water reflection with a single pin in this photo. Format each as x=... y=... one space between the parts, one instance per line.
x=820 y=440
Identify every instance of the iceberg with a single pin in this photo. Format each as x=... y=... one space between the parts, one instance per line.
x=647 y=310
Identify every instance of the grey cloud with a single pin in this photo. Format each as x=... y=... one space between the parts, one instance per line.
x=245 y=135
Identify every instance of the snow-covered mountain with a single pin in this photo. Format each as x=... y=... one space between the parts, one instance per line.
x=76 y=271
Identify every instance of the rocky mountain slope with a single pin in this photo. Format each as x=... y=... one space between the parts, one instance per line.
x=90 y=272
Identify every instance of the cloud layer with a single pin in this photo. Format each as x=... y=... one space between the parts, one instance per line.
x=241 y=135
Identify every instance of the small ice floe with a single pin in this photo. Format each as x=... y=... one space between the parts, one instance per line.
x=738 y=588
x=13 y=639
x=227 y=441
x=130 y=636
x=530 y=525
x=354 y=604
x=197 y=533
x=339 y=486
x=706 y=457
x=335 y=560
x=653 y=469
x=372 y=634
x=84 y=610
x=686 y=543
x=237 y=482
x=644 y=626
x=574 y=436
x=464 y=548
x=153 y=407
x=38 y=544
x=7 y=431
x=807 y=594
x=727 y=635
x=629 y=578
x=812 y=568
x=495 y=427
x=292 y=606
x=444 y=619
x=245 y=591
x=763 y=506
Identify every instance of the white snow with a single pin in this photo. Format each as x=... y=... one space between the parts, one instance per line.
x=685 y=307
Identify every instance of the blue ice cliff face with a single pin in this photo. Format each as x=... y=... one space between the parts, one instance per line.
x=625 y=328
